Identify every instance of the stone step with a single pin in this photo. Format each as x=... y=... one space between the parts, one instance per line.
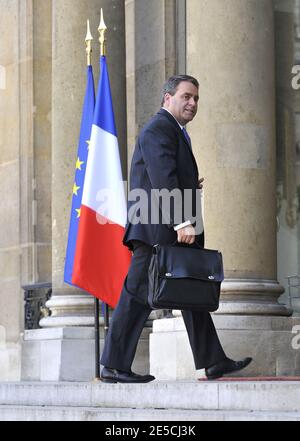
x=179 y=396
x=62 y=413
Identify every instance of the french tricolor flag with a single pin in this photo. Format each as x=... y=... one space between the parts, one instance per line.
x=101 y=261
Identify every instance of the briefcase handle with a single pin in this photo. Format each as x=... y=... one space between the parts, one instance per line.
x=182 y=244
x=179 y=244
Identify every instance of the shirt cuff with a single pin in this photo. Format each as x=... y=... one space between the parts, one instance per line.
x=184 y=224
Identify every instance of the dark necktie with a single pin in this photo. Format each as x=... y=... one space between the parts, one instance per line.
x=187 y=137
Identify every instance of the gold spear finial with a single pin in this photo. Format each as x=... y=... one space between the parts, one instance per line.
x=102 y=29
x=88 y=41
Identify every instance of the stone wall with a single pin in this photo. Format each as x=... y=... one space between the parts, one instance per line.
x=25 y=164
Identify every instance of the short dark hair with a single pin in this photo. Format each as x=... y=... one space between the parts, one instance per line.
x=173 y=82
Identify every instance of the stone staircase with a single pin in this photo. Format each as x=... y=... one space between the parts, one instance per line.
x=226 y=400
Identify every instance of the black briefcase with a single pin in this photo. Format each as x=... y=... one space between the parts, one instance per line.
x=185 y=277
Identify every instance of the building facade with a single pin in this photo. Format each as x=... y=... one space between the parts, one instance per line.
x=246 y=140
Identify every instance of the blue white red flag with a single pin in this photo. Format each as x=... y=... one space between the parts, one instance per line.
x=101 y=260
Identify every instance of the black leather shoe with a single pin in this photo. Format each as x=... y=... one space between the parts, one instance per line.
x=226 y=367
x=109 y=375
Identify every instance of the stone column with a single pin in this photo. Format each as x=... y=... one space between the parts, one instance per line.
x=230 y=49
x=70 y=306
x=150 y=59
x=15 y=146
x=234 y=141
x=288 y=137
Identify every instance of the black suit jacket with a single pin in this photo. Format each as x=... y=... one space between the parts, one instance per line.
x=162 y=159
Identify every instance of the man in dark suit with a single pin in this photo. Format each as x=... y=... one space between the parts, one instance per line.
x=162 y=161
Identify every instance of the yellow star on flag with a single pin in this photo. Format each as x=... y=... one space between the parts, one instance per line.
x=75 y=189
x=78 y=212
x=79 y=164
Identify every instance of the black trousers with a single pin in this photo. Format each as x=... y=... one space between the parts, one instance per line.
x=132 y=311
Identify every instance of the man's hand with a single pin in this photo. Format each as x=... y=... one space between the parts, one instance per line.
x=186 y=234
x=200 y=183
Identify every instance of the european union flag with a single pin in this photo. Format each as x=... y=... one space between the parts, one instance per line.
x=81 y=161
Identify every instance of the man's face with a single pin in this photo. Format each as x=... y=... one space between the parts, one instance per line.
x=184 y=104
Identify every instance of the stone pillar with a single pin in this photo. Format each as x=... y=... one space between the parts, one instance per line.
x=288 y=138
x=234 y=141
x=150 y=59
x=25 y=143
x=70 y=306
x=230 y=49
x=14 y=141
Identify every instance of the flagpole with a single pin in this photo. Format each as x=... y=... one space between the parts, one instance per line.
x=106 y=320
x=102 y=29
x=97 y=341
x=88 y=42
